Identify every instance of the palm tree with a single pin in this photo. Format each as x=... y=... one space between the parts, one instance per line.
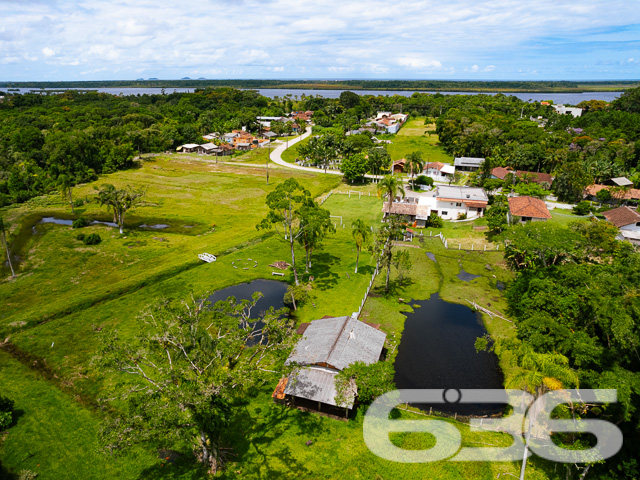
x=65 y=185
x=361 y=233
x=415 y=163
x=3 y=237
x=540 y=372
x=390 y=186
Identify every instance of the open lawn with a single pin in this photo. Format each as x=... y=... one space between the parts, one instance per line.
x=67 y=295
x=416 y=136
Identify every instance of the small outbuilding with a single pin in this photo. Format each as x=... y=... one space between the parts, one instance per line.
x=529 y=209
x=327 y=346
x=468 y=164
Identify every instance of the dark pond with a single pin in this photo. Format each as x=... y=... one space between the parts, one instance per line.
x=500 y=285
x=437 y=351
x=272 y=290
x=466 y=276
x=432 y=256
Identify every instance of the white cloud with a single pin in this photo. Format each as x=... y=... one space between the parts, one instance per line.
x=418 y=63
x=372 y=38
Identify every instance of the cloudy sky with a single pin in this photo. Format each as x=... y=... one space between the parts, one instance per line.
x=334 y=39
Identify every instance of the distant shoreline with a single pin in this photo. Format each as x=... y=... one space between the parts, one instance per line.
x=381 y=85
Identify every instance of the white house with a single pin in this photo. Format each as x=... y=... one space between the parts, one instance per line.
x=188 y=148
x=561 y=109
x=628 y=222
x=440 y=172
x=448 y=202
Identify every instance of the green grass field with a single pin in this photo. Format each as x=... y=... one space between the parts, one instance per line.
x=66 y=294
x=415 y=136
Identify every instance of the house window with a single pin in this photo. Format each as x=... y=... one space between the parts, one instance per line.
x=458 y=204
x=637 y=224
x=444 y=214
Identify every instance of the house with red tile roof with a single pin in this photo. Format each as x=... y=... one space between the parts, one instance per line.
x=528 y=209
x=628 y=222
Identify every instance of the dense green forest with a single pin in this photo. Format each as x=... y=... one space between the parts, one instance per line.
x=437 y=85
x=576 y=295
x=602 y=143
x=82 y=135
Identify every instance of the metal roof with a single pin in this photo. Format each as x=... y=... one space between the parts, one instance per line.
x=338 y=342
x=468 y=161
x=317 y=384
x=461 y=193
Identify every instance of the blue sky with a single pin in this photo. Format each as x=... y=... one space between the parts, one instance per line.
x=437 y=39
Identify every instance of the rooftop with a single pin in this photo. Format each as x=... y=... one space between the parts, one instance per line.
x=622 y=216
x=338 y=342
x=468 y=161
x=528 y=207
x=454 y=192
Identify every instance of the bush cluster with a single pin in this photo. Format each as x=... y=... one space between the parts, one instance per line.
x=91 y=239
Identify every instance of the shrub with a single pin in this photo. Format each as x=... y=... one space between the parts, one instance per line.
x=92 y=239
x=583 y=208
x=435 y=221
x=80 y=237
x=424 y=180
x=80 y=222
x=78 y=202
x=6 y=412
x=462 y=216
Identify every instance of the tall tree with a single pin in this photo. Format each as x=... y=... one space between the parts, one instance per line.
x=65 y=186
x=382 y=247
x=120 y=200
x=188 y=365
x=3 y=237
x=284 y=205
x=539 y=372
x=415 y=164
x=390 y=187
x=361 y=233
x=315 y=223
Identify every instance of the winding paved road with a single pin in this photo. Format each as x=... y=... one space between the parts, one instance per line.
x=276 y=157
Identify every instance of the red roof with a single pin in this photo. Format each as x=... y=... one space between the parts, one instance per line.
x=626 y=194
x=537 y=177
x=622 y=216
x=500 y=172
x=434 y=165
x=528 y=207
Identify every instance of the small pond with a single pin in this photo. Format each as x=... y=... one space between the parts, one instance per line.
x=272 y=290
x=432 y=256
x=159 y=226
x=466 y=276
x=60 y=221
x=437 y=351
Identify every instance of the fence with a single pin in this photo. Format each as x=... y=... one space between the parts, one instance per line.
x=323 y=198
x=454 y=243
x=366 y=294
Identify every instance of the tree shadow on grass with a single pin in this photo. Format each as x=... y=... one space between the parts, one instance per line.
x=257 y=440
x=325 y=278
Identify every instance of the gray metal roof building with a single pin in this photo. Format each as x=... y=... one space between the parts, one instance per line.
x=328 y=346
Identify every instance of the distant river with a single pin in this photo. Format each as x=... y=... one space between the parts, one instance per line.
x=564 y=98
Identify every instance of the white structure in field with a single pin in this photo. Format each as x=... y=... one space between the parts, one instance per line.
x=207 y=257
x=447 y=201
